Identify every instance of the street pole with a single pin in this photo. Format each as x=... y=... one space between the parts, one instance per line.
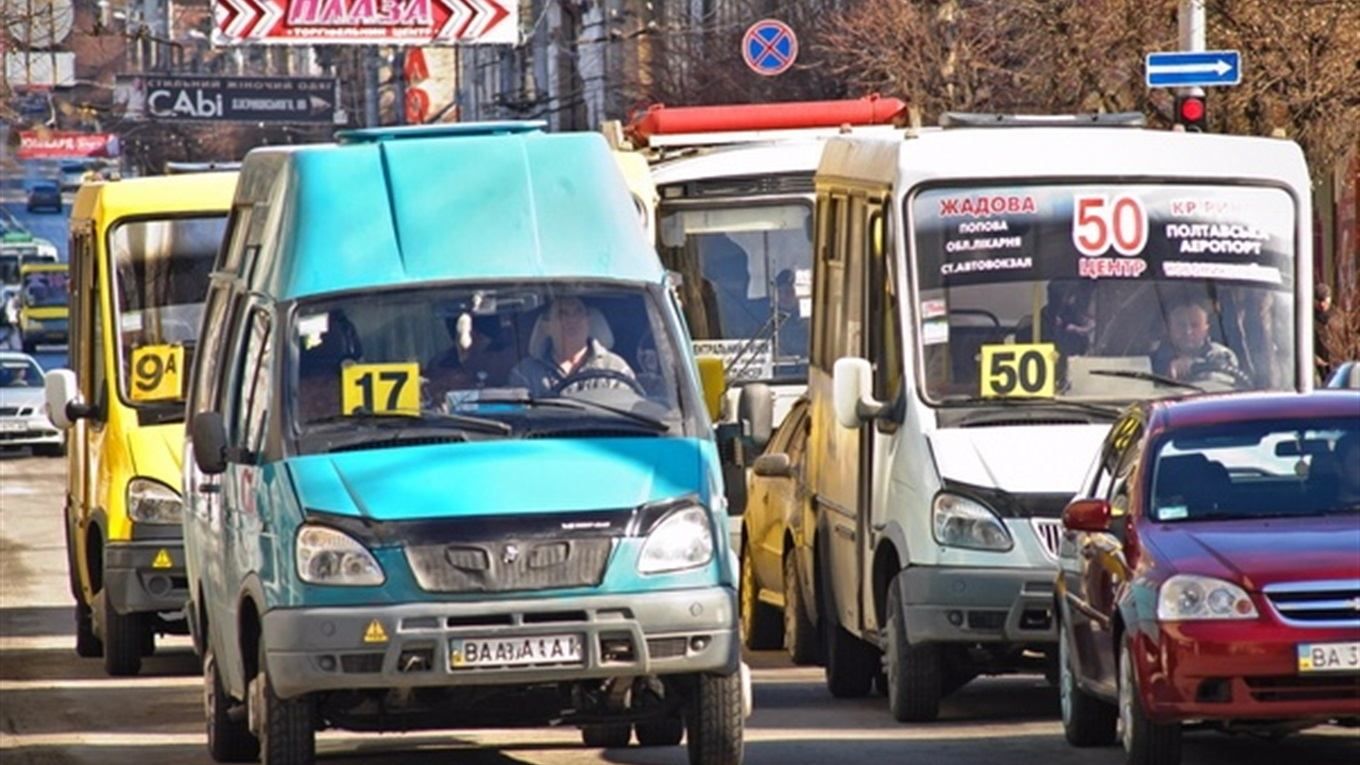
x=370 y=86
x=1192 y=24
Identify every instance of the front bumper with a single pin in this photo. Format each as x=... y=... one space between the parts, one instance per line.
x=979 y=605
x=146 y=576
x=1207 y=670
x=28 y=431
x=670 y=632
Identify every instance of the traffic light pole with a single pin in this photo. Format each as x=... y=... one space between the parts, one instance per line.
x=1192 y=24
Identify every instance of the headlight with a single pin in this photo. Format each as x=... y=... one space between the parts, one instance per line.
x=327 y=556
x=1185 y=597
x=681 y=540
x=963 y=522
x=151 y=501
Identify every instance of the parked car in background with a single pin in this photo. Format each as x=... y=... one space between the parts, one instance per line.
x=1346 y=375
x=44 y=195
x=774 y=609
x=1210 y=571
x=22 y=421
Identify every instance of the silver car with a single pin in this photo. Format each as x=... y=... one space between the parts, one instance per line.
x=23 y=421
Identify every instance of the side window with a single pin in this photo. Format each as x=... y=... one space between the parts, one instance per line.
x=253 y=389
x=238 y=226
x=885 y=342
x=830 y=283
x=98 y=392
x=854 y=317
x=1121 y=464
x=204 y=393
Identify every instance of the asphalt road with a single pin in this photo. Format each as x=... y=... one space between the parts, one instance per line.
x=57 y=708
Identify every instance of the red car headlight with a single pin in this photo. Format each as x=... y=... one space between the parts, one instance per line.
x=1186 y=597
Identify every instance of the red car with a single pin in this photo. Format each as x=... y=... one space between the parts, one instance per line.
x=1210 y=571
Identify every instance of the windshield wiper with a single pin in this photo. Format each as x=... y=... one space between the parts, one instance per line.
x=579 y=404
x=424 y=419
x=1134 y=374
x=1104 y=410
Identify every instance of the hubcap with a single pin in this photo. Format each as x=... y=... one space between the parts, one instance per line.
x=1126 y=695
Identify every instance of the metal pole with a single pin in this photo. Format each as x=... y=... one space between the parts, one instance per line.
x=399 y=82
x=370 y=86
x=1192 y=25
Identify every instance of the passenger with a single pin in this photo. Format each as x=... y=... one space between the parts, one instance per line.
x=478 y=358
x=1068 y=320
x=793 y=326
x=1322 y=330
x=319 y=368
x=570 y=351
x=1188 y=353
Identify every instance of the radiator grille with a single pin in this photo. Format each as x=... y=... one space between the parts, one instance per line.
x=1050 y=533
x=511 y=565
x=1317 y=604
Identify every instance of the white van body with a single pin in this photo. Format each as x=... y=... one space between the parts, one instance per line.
x=888 y=449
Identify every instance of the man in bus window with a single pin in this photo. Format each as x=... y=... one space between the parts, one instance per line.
x=1187 y=353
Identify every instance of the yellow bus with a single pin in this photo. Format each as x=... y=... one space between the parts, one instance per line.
x=42 y=304
x=142 y=252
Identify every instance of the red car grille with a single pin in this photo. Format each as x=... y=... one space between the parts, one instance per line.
x=1287 y=688
x=1317 y=604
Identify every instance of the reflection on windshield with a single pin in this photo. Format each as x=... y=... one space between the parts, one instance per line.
x=746 y=284
x=533 y=356
x=1258 y=470
x=1104 y=292
x=161 y=269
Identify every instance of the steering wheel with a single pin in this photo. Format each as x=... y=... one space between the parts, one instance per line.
x=581 y=375
x=1208 y=372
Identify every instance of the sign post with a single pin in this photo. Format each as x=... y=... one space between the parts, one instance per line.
x=769 y=47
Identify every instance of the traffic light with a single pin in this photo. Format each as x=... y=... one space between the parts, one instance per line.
x=1192 y=113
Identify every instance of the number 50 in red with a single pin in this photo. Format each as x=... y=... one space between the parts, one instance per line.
x=1099 y=224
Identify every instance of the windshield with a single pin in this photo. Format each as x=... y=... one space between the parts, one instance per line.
x=161 y=270
x=1104 y=292
x=484 y=361
x=10 y=262
x=1258 y=469
x=45 y=289
x=746 y=283
x=20 y=373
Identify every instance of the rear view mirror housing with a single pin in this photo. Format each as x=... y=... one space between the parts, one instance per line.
x=777 y=465
x=210 y=442
x=755 y=410
x=1087 y=515
x=852 y=381
x=62 y=397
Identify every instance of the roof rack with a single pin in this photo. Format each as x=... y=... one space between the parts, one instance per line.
x=981 y=120
x=454 y=129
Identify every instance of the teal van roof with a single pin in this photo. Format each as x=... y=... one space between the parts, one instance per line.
x=495 y=201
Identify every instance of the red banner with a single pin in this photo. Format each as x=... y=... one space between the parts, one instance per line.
x=365 y=22
x=65 y=144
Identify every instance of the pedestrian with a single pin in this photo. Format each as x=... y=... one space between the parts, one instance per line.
x=1322 y=321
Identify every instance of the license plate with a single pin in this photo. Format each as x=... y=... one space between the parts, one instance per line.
x=1329 y=657
x=12 y=427
x=471 y=653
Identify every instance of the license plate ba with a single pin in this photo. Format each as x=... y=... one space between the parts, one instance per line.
x=1329 y=657
x=12 y=427
x=472 y=653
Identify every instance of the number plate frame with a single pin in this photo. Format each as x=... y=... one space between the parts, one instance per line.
x=1348 y=652
x=516 y=652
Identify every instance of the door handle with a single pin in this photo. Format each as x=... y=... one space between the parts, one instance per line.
x=210 y=488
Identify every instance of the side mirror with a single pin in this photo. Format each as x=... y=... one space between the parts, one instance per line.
x=1087 y=515
x=210 y=442
x=755 y=409
x=776 y=465
x=714 y=380
x=852 y=382
x=62 y=397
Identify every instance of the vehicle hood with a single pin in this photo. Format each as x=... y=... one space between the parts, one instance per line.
x=502 y=477
x=158 y=452
x=1261 y=552
x=1021 y=459
x=22 y=398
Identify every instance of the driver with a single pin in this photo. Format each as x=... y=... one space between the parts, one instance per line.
x=570 y=352
x=1188 y=353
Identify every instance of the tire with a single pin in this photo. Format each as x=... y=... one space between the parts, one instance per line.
x=914 y=683
x=287 y=726
x=1145 y=742
x=851 y=663
x=1087 y=720
x=800 y=634
x=88 y=644
x=715 y=719
x=228 y=740
x=124 y=636
x=607 y=735
x=667 y=731
x=761 y=625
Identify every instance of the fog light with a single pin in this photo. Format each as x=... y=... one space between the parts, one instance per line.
x=158 y=586
x=699 y=643
x=327 y=663
x=955 y=618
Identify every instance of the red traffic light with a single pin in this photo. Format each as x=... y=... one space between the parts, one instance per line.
x=1191 y=112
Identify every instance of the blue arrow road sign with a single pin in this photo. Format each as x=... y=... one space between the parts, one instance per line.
x=1189 y=69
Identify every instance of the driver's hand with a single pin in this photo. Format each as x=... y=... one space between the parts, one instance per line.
x=1180 y=368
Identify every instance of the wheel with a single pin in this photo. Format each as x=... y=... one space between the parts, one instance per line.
x=607 y=735
x=1145 y=742
x=148 y=641
x=714 y=720
x=800 y=634
x=913 y=670
x=88 y=645
x=124 y=635
x=287 y=731
x=761 y=627
x=228 y=740
x=666 y=731
x=851 y=663
x=1087 y=721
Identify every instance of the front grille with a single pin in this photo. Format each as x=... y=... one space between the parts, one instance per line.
x=1294 y=688
x=361 y=663
x=666 y=648
x=1050 y=533
x=506 y=566
x=1317 y=604
x=9 y=411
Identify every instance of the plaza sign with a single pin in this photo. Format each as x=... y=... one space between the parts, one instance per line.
x=365 y=22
